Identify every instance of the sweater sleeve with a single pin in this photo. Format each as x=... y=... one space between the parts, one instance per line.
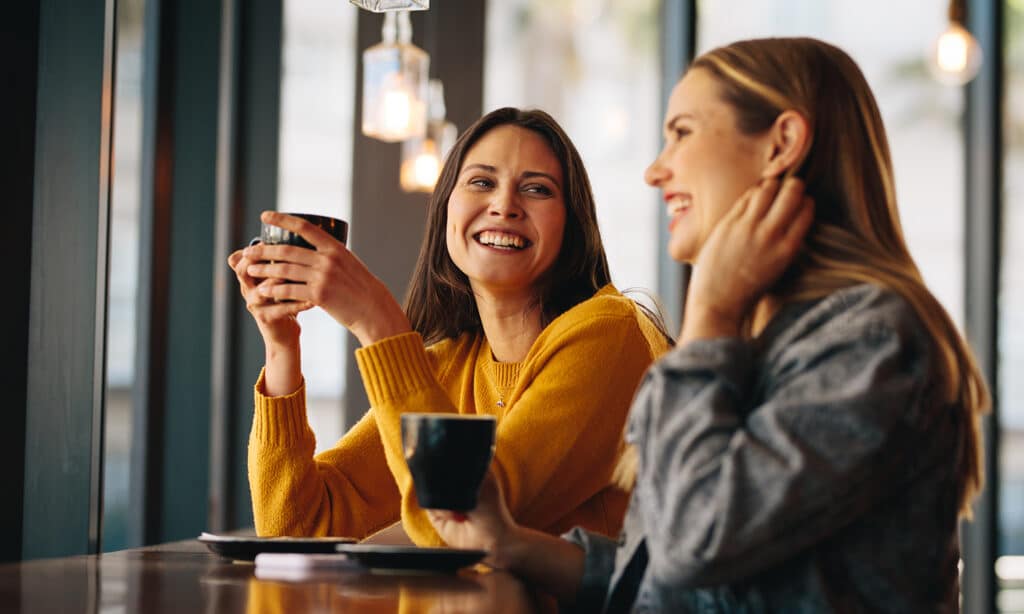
x=556 y=444
x=726 y=490
x=345 y=491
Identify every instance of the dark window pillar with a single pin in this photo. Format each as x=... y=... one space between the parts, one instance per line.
x=67 y=301
x=983 y=176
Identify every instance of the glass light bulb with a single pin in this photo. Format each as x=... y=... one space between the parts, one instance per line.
x=397 y=110
x=420 y=166
x=427 y=168
x=955 y=56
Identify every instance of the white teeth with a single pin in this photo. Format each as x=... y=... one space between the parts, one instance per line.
x=501 y=239
x=676 y=206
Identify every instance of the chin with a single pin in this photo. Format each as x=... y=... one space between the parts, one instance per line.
x=681 y=253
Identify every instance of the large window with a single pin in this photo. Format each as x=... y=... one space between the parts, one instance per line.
x=594 y=66
x=922 y=117
x=124 y=260
x=1010 y=567
x=317 y=106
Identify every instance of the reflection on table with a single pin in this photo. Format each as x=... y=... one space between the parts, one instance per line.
x=185 y=577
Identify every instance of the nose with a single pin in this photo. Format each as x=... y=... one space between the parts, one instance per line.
x=657 y=173
x=505 y=203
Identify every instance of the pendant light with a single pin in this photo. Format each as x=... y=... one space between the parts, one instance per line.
x=381 y=6
x=395 y=83
x=955 y=58
x=422 y=157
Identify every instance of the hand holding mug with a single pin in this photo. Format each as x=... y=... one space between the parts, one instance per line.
x=489 y=526
x=276 y=321
x=328 y=276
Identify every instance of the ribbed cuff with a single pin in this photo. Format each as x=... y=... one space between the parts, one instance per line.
x=279 y=421
x=393 y=367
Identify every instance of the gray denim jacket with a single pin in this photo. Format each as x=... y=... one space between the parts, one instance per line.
x=809 y=470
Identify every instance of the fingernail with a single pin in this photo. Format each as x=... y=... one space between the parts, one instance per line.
x=264 y=290
x=459 y=517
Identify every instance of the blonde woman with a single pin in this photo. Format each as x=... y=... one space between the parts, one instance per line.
x=813 y=440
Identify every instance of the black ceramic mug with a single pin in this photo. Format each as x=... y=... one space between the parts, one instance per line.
x=274 y=235
x=448 y=456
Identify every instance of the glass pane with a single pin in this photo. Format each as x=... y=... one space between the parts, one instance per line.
x=562 y=57
x=317 y=107
x=124 y=260
x=921 y=116
x=1010 y=567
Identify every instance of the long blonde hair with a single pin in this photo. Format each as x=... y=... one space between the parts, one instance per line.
x=856 y=236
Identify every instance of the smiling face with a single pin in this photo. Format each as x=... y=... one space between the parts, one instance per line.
x=706 y=164
x=506 y=213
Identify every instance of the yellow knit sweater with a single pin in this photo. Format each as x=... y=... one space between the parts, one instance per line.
x=558 y=434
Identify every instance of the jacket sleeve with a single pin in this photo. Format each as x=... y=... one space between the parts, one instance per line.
x=345 y=491
x=557 y=443
x=598 y=564
x=728 y=487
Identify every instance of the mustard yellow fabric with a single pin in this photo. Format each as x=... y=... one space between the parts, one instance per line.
x=558 y=435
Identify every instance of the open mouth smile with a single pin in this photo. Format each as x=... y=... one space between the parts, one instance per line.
x=502 y=240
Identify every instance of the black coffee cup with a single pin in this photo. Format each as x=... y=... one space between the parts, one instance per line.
x=448 y=456
x=275 y=235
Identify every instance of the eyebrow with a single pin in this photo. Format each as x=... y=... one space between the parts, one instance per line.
x=526 y=174
x=671 y=122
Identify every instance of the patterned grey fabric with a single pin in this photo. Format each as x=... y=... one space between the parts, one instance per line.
x=808 y=470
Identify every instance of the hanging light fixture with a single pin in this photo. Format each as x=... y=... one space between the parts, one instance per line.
x=380 y=6
x=395 y=83
x=422 y=157
x=955 y=58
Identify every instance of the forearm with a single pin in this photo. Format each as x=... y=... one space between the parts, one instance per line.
x=553 y=565
x=282 y=374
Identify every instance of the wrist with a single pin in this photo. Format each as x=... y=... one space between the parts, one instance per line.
x=378 y=331
x=509 y=552
x=706 y=322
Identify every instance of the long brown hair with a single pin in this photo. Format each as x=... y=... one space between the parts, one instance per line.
x=856 y=237
x=440 y=302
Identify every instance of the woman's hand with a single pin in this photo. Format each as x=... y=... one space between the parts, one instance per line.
x=330 y=276
x=748 y=250
x=488 y=527
x=276 y=321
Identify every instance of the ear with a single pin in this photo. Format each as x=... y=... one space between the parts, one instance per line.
x=789 y=140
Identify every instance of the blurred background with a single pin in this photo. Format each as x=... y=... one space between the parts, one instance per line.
x=602 y=68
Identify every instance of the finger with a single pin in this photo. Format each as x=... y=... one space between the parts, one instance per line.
x=315 y=236
x=801 y=224
x=271 y=312
x=234 y=257
x=740 y=206
x=280 y=271
x=280 y=253
x=438 y=517
x=277 y=290
x=761 y=197
x=245 y=281
x=787 y=204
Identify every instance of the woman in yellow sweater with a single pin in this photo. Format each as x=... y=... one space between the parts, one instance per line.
x=511 y=313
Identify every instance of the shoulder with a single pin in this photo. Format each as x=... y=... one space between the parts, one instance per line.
x=865 y=309
x=608 y=314
x=452 y=349
x=863 y=319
